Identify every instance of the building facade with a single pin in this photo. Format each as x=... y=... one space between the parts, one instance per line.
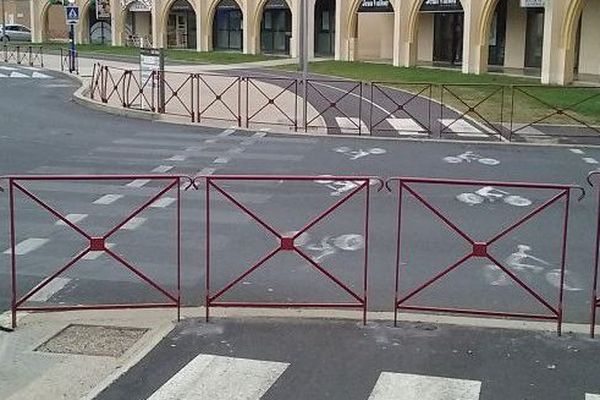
x=556 y=39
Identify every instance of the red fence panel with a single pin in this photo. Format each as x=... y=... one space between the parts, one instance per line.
x=285 y=242
x=595 y=301
x=272 y=101
x=479 y=248
x=94 y=242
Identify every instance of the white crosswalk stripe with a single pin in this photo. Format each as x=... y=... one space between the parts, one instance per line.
x=39 y=75
x=461 y=127
x=163 y=202
x=133 y=223
x=27 y=246
x=94 y=255
x=350 y=125
x=53 y=287
x=592 y=396
x=219 y=378
x=406 y=126
x=73 y=218
x=16 y=74
x=108 y=199
x=393 y=386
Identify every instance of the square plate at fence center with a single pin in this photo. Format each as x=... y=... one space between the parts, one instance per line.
x=93 y=340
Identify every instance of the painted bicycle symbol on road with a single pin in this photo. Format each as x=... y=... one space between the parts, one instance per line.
x=529 y=266
x=341 y=187
x=469 y=157
x=359 y=153
x=491 y=195
x=328 y=245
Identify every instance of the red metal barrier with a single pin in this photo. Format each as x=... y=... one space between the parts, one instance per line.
x=271 y=104
x=480 y=248
x=95 y=243
x=218 y=97
x=285 y=243
x=595 y=301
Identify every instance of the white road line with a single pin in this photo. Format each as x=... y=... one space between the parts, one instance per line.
x=138 y=183
x=8 y=68
x=15 y=74
x=259 y=134
x=207 y=171
x=73 y=218
x=391 y=386
x=39 y=75
x=406 y=126
x=350 y=125
x=163 y=202
x=209 y=141
x=177 y=157
x=3 y=76
x=226 y=132
x=461 y=127
x=27 y=246
x=236 y=150
x=93 y=255
x=108 y=199
x=53 y=287
x=220 y=378
x=589 y=396
x=134 y=223
x=590 y=160
x=577 y=151
x=222 y=160
x=161 y=169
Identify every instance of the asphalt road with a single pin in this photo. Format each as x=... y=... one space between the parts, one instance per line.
x=43 y=132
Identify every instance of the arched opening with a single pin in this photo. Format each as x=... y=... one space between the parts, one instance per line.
x=96 y=23
x=515 y=37
x=440 y=32
x=276 y=27
x=586 y=44
x=228 y=26
x=325 y=28
x=181 y=26
x=374 y=31
x=54 y=23
x=138 y=24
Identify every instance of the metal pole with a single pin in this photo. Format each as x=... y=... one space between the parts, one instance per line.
x=3 y=22
x=304 y=58
x=72 y=55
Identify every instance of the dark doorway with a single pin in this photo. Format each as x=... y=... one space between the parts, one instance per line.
x=276 y=28
x=181 y=26
x=227 y=26
x=448 y=37
x=534 y=42
x=497 y=40
x=325 y=28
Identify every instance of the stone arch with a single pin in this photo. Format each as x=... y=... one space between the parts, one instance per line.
x=209 y=23
x=162 y=19
x=352 y=22
x=44 y=20
x=569 y=26
x=256 y=23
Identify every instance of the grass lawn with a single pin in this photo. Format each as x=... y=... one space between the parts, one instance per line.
x=189 y=56
x=528 y=99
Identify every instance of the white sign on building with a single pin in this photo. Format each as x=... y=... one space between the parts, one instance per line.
x=533 y=3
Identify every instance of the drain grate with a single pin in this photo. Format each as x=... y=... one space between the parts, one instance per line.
x=93 y=340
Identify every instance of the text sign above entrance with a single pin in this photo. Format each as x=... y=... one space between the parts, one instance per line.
x=533 y=3
x=441 y=6
x=375 y=6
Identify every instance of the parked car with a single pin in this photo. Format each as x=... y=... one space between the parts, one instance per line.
x=15 y=33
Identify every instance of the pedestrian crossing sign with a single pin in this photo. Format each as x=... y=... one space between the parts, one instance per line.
x=72 y=14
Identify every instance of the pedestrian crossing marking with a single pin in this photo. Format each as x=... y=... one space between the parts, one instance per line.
x=592 y=396
x=15 y=74
x=392 y=386
x=133 y=223
x=161 y=169
x=461 y=127
x=72 y=218
x=108 y=199
x=350 y=125
x=138 y=183
x=219 y=378
x=406 y=126
x=39 y=75
x=27 y=246
x=53 y=287
x=8 y=68
x=3 y=76
x=163 y=202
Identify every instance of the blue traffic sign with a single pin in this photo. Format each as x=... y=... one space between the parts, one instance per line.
x=72 y=14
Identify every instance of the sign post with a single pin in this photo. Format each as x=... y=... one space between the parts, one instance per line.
x=72 y=11
x=152 y=63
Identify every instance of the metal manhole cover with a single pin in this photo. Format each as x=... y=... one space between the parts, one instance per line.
x=93 y=340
